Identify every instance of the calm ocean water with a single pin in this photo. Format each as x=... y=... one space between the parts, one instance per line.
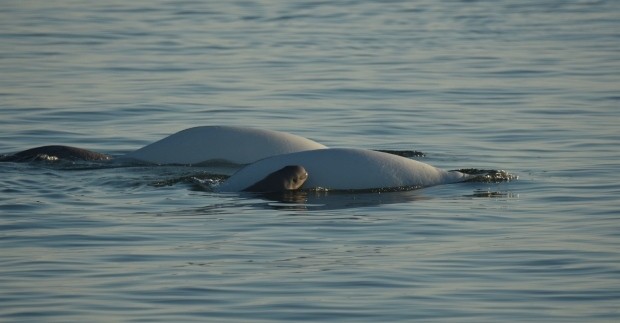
x=531 y=87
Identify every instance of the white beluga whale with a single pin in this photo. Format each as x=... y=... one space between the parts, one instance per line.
x=237 y=145
x=347 y=169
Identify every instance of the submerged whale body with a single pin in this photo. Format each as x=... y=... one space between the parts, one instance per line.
x=347 y=169
x=55 y=153
x=237 y=145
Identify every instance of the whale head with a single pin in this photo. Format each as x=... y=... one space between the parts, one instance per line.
x=287 y=178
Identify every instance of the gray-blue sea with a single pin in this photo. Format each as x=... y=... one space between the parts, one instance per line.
x=529 y=87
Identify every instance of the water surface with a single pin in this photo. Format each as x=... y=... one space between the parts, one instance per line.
x=526 y=86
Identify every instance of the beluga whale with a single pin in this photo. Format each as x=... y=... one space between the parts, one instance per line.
x=237 y=145
x=348 y=169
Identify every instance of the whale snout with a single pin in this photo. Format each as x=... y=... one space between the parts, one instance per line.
x=297 y=177
x=287 y=178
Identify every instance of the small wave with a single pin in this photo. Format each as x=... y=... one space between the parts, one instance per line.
x=489 y=193
x=488 y=175
x=199 y=182
x=403 y=153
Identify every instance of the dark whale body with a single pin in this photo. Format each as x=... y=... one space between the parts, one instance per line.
x=56 y=152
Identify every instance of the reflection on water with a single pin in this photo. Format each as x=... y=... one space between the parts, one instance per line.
x=328 y=200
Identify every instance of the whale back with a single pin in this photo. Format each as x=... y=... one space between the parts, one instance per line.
x=347 y=169
x=55 y=153
x=237 y=145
